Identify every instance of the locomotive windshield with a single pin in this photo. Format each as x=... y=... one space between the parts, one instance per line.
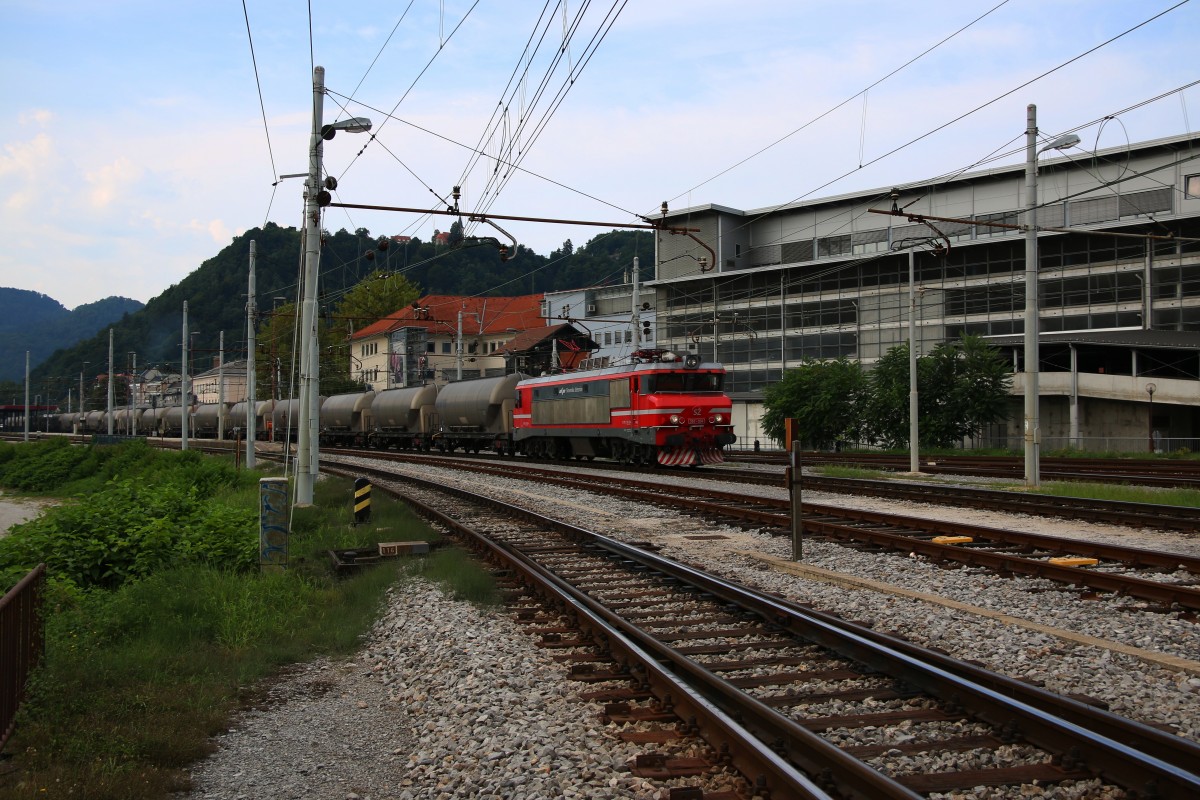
x=682 y=382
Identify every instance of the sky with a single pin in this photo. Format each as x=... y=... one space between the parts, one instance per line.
x=139 y=137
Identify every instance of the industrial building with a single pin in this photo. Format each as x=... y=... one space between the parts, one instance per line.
x=1119 y=289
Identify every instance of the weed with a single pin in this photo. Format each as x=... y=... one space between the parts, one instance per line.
x=158 y=620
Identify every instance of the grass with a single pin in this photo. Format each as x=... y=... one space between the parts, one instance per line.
x=137 y=679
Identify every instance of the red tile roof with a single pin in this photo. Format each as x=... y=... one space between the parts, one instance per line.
x=439 y=314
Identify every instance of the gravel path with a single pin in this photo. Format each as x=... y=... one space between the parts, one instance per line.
x=444 y=702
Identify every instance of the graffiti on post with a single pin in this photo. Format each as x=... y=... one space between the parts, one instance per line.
x=273 y=523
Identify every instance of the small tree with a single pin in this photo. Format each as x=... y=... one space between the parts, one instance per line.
x=825 y=398
x=373 y=298
x=886 y=417
x=962 y=386
x=985 y=379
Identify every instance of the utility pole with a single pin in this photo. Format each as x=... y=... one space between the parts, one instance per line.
x=110 y=381
x=913 y=434
x=183 y=385
x=308 y=457
x=307 y=453
x=637 y=308
x=251 y=344
x=131 y=423
x=26 y=395
x=221 y=386
x=458 y=345
x=1032 y=432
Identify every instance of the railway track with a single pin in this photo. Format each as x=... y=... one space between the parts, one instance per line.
x=802 y=704
x=1166 y=582
x=1162 y=472
x=1118 y=512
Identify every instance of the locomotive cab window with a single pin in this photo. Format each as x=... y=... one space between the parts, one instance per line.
x=681 y=382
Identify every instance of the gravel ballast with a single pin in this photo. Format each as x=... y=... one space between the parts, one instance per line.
x=449 y=701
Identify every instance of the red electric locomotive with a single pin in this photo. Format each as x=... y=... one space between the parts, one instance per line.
x=657 y=409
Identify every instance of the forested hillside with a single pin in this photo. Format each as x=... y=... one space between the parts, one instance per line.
x=216 y=290
x=40 y=324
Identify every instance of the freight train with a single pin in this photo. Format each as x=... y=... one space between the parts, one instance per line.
x=656 y=409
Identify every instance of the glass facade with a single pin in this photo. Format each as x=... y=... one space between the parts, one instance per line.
x=852 y=300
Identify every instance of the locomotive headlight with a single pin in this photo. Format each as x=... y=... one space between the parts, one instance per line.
x=674 y=419
x=716 y=419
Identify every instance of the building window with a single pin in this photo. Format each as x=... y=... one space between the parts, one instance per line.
x=445 y=347
x=628 y=337
x=1191 y=187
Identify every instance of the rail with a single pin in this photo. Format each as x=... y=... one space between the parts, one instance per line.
x=709 y=633
x=22 y=641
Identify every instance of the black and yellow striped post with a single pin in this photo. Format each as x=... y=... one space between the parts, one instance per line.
x=362 y=500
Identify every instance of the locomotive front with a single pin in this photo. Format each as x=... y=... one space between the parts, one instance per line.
x=659 y=409
x=686 y=407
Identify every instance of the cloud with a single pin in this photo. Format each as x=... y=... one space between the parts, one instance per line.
x=110 y=181
x=39 y=116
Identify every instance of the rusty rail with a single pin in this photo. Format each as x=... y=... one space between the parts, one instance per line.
x=22 y=641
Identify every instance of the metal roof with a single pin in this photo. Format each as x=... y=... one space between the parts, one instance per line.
x=1158 y=339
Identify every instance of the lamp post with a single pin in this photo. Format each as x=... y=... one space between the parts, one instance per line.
x=308 y=454
x=1150 y=387
x=1032 y=432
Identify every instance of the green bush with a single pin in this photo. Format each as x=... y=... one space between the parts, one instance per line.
x=164 y=512
x=41 y=466
x=147 y=661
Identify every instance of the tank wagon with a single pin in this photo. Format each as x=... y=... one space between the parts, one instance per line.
x=205 y=421
x=95 y=422
x=656 y=409
x=346 y=419
x=151 y=422
x=285 y=416
x=170 y=423
x=404 y=418
x=477 y=414
x=236 y=418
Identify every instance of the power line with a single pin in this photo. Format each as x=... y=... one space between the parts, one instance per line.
x=829 y=111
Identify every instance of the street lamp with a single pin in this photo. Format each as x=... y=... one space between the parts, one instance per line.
x=1032 y=433
x=308 y=454
x=1150 y=387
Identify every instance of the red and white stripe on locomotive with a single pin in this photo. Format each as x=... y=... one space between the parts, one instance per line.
x=659 y=409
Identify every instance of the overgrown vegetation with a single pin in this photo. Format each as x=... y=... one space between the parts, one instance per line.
x=159 y=622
